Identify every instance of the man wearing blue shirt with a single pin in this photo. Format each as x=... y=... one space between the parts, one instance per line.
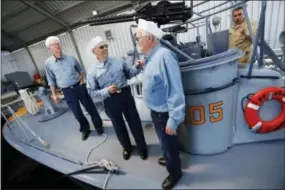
x=107 y=82
x=65 y=72
x=163 y=95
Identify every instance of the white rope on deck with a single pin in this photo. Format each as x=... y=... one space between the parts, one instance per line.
x=104 y=163
x=106 y=180
x=87 y=158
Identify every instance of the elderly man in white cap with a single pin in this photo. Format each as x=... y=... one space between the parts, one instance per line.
x=107 y=81
x=163 y=95
x=65 y=72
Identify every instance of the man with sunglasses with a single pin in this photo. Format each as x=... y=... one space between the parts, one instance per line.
x=239 y=36
x=107 y=81
x=65 y=72
x=163 y=95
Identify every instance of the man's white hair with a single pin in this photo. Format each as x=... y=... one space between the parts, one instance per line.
x=51 y=38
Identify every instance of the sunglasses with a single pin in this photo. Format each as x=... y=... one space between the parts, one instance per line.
x=103 y=46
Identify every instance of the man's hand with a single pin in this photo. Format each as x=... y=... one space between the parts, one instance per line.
x=82 y=77
x=139 y=63
x=55 y=99
x=112 y=89
x=170 y=131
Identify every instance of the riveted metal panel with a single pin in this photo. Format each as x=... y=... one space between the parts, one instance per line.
x=10 y=6
x=22 y=19
x=39 y=30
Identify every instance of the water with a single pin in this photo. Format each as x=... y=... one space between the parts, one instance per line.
x=20 y=172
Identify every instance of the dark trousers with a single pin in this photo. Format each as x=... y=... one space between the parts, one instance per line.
x=124 y=103
x=78 y=93
x=169 y=144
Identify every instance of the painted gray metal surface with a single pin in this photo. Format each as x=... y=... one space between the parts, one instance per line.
x=210 y=116
x=243 y=167
x=229 y=56
x=268 y=111
x=211 y=132
x=240 y=167
x=217 y=43
x=282 y=41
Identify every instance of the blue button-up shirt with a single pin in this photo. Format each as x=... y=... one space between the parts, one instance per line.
x=162 y=85
x=62 y=72
x=104 y=74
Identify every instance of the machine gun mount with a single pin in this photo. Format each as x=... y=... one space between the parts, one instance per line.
x=162 y=13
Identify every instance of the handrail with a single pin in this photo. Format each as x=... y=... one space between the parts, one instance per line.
x=9 y=123
x=258 y=36
x=214 y=7
x=39 y=148
x=249 y=28
x=208 y=25
x=134 y=44
x=211 y=14
x=24 y=126
x=15 y=101
x=174 y=49
x=261 y=58
x=201 y=3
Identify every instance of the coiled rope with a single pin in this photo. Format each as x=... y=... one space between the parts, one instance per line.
x=104 y=163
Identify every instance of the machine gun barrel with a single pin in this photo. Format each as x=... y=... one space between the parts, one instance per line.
x=162 y=13
x=111 y=19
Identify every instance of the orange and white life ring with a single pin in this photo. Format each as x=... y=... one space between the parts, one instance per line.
x=252 y=110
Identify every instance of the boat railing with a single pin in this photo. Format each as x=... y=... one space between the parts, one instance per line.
x=24 y=127
x=21 y=123
x=257 y=40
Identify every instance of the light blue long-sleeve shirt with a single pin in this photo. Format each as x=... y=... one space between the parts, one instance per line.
x=104 y=74
x=62 y=72
x=162 y=85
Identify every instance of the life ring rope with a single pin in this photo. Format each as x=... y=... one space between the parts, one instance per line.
x=242 y=101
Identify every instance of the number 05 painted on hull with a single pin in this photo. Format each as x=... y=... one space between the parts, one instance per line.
x=215 y=113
